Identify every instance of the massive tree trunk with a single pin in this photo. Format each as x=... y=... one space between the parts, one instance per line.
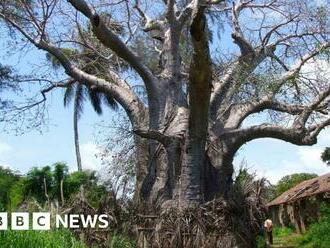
x=166 y=177
x=188 y=132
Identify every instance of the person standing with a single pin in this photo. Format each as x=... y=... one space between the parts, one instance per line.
x=268 y=225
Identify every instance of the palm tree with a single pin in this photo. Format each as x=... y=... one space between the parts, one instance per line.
x=93 y=64
x=60 y=173
x=39 y=180
x=78 y=93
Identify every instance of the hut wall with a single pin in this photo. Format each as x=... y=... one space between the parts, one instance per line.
x=298 y=214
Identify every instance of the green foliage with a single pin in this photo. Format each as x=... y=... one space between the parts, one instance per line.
x=317 y=235
x=93 y=64
x=39 y=239
x=243 y=175
x=38 y=183
x=70 y=53
x=8 y=178
x=74 y=181
x=16 y=194
x=325 y=156
x=80 y=93
x=284 y=231
x=290 y=181
x=281 y=237
x=94 y=191
x=119 y=241
x=44 y=183
x=261 y=242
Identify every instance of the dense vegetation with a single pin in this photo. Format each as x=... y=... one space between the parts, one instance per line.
x=49 y=183
x=39 y=239
x=8 y=181
x=325 y=156
x=53 y=239
x=316 y=236
x=318 y=233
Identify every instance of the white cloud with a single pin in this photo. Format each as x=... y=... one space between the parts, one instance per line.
x=324 y=137
x=310 y=157
x=307 y=161
x=320 y=3
x=89 y=152
x=316 y=69
x=4 y=149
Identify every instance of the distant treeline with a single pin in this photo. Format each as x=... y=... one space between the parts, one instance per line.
x=47 y=184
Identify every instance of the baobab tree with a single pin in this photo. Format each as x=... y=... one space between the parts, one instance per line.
x=270 y=59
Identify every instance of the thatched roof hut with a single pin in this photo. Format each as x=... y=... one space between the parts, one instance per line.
x=300 y=204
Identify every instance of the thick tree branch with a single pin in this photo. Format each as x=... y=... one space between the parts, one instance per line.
x=123 y=95
x=149 y=23
x=111 y=40
x=162 y=138
x=236 y=74
x=237 y=33
x=292 y=135
x=239 y=112
x=126 y=98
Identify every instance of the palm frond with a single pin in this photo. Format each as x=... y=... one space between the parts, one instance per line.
x=95 y=98
x=69 y=94
x=79 y=99
x=110 y=101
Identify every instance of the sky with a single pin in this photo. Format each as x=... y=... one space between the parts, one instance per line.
x=269 y=158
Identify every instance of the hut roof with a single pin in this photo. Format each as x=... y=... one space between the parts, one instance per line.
x=304 y=189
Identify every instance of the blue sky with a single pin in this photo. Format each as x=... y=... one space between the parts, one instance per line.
x=268 y=157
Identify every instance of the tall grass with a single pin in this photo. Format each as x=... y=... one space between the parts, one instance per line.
x=282 y=231
x=54 y=239
x=39 y=239
x=119 y=241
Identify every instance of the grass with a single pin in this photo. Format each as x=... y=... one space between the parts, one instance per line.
x=119 y=241
x=39 y=239
x=62 y=238
x=317 y=235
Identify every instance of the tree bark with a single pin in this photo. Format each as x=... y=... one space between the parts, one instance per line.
x=62 y=192
x=76 y=134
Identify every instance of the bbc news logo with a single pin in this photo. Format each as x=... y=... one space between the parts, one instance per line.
x=42 y=221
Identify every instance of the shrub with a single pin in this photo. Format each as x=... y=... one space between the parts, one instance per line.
x=282 y=232
x=317 y=235
x=261 y=242
x=119 y=241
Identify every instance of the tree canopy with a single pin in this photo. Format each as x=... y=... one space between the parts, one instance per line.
x=289 y=181
x=325 y=156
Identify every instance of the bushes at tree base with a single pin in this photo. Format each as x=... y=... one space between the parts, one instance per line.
x=217 y=223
